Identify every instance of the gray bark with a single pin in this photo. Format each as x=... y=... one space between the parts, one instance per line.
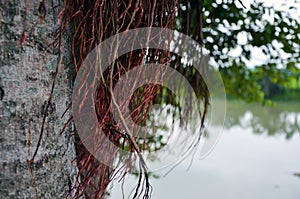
x=26 y=75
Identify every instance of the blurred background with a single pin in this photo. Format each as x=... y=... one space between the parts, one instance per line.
x=255 y=45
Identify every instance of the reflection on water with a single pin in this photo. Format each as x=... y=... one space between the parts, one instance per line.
x=297 y=174
x=256 y=157
x=283 y=118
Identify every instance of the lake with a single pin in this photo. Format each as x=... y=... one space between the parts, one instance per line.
x=257 y=156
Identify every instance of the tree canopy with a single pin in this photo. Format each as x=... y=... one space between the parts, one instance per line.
x=275 y=34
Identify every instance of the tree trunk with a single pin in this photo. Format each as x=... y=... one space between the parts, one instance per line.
x=27 y=68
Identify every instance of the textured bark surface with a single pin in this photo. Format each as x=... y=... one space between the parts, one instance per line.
x=26 y=75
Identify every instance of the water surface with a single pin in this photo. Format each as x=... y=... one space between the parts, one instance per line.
x=256 y=158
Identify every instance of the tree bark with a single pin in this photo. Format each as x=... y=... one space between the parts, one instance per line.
x=27 y=68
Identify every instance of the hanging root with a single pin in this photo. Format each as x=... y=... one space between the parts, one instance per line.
x=91 y=22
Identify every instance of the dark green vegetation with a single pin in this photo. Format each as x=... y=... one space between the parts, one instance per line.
x=276 y=33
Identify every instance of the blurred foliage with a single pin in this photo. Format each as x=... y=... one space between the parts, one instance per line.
x=227 y=26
